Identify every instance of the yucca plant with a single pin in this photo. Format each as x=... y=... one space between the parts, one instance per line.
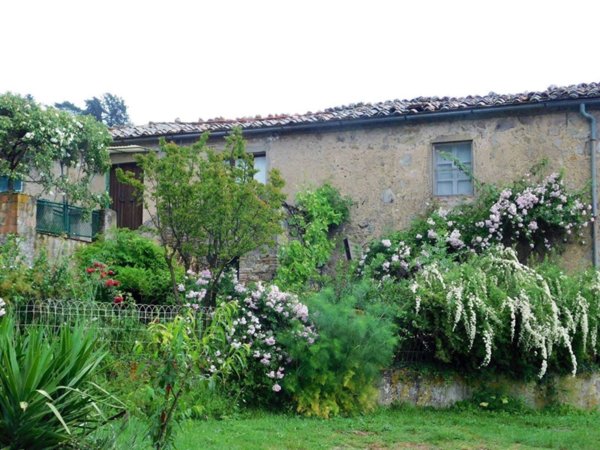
x=46 y=398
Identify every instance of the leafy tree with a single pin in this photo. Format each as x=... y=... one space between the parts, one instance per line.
x=206 y=206
x=109 y=109
x=52 y=148
x=115 y=110
x=69 y=107
x=94 y=108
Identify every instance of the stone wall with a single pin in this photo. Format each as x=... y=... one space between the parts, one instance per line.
x=409 y=386
x=387 y=170
x=18 y=216
x=258 y=265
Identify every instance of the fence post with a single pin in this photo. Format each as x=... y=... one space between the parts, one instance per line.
x=66 y=219
x=108 y=221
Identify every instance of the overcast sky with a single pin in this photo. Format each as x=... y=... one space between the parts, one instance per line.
x=203 y=59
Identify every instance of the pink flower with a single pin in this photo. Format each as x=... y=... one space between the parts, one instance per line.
x=276 y=387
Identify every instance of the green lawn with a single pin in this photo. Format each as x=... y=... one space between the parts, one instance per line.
x=389 y=428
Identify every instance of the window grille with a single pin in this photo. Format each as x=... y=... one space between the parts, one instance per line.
x=63 y=219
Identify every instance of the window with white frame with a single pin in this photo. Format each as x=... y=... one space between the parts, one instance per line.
x=449 y=160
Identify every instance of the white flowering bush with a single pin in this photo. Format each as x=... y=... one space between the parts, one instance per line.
x=35 y=139
x=533 y=215
x=492 y=310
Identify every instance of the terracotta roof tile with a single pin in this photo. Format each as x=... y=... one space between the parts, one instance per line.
x=390 y=108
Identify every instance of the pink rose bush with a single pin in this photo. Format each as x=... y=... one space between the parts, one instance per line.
x=266 y=318
x=531 y=215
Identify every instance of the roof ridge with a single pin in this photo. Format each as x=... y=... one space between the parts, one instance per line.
x=363 y=110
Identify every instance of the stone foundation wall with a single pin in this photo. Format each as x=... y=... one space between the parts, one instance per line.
x=409 y=386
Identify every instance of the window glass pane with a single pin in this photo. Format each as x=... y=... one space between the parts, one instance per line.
x=260 y=164
x=444 y=174
x=463 y=153
x=444 y=188
x=465 y=187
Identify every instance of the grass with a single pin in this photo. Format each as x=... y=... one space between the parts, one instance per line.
x=397 y=428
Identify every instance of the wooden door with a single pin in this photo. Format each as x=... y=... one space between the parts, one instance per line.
x=129 y=210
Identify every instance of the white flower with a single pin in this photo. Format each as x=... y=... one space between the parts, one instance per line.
x=386 y=243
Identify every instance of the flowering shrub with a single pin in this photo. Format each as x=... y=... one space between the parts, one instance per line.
x=138 y=263
x=265 y=316
x=491 y=310
x=102 y=284
x=532 y=215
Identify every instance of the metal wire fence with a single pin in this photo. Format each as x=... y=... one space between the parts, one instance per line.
x=117 y=324
x=122 y=326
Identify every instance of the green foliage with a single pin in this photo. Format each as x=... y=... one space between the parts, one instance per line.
x=492 y=311
x=184 y=348
x=317 y=213
x=46 y=399
x=493 y=400
x=209 y=209
x=138 y=264
x=43 y=280
x=108 y=109
x=34 y=139
x=338 y=373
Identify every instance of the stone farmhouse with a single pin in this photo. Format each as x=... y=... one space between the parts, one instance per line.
x=386 y=156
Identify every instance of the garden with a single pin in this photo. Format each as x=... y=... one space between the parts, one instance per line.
x=149 y=339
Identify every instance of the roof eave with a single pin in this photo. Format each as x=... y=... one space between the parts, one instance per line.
x=346 y=123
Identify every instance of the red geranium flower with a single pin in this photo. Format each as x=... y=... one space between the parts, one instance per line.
x=118 y=299
x=90 y=270
x=110 y=283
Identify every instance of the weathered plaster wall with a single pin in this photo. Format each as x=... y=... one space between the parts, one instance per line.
x=407 y=386
x=388 y=171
